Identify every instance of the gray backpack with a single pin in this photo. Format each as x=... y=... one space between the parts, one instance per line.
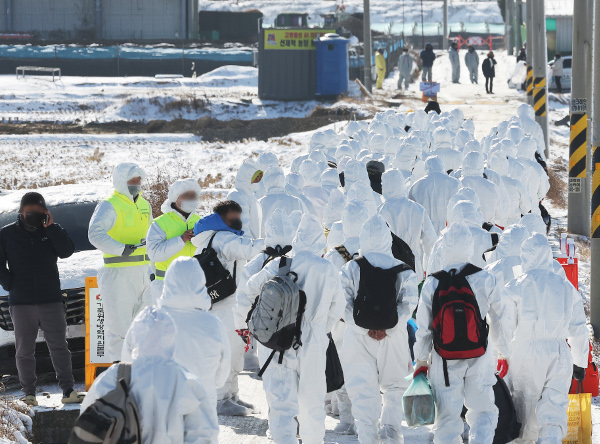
x=112 y=419
x=276 y=316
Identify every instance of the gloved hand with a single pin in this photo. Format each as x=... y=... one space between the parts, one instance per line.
x=421 y=367
x=578 y=373
x=129 y=249
x=502 y=366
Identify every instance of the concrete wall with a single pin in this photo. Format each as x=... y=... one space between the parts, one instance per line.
x=141 y=19
x=121 y=19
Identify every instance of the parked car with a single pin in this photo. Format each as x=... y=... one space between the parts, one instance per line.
x=72 y=207
x=565 y=79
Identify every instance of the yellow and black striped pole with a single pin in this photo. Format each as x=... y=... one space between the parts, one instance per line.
x=596 y=193
x=539 y=96
x=529 y=81
x=578 y=146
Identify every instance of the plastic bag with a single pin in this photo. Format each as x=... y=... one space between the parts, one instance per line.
x=580 y=418
x=334 y=375
x=419 y=407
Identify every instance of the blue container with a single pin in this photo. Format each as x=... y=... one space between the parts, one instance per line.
x=332 y=65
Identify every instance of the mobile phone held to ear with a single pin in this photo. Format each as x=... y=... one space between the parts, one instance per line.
x=47 y=219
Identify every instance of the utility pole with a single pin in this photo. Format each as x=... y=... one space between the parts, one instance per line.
x=508 y=24
x=540 y=61
x=445 y=37
x=595 y=222
x=579 y=192
x=529 y=51
x=367 y=44
x=519 y=14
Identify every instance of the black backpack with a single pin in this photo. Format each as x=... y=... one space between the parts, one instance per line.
x=459 y=330
x=376 y=304
x=402 y=252
x=220 y=284
x=508 y=427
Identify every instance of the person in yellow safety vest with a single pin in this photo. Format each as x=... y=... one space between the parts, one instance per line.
x=118 y=228
x=169 y=235
x=380 y=63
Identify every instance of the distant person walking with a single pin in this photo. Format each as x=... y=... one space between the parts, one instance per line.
x=522 y=54
x=558 y=71
x=405 y=66
x=472 y=62
x=428 y=57
x=489 y=71
x=455 y=62
x=381 y=68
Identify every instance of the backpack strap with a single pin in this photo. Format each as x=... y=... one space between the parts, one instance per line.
x=267 y=362
x=343 y=251
x=495 y=239
x=445 y=368
x=469 y=270
x=209 y=246
x=275 y=252
x=124 y=375
x=487 y=226
x=285 y=266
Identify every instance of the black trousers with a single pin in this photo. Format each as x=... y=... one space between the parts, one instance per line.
x=557 y=80
x=489 y=84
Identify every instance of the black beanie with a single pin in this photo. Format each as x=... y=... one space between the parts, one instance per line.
x=32 y=198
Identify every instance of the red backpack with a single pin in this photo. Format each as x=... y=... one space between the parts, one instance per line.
x=459 y=330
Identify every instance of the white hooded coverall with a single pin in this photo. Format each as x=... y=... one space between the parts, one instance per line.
x=125 y=290
x=159 y=248
x=172 y=403
x=201 y=343
x=407 y=219
x=548 y=311
x=244 y=195
x=374 y=371
x=434 y=191
x=276 y=197
x=471 y=380
x=296 y=388
x=230 y=248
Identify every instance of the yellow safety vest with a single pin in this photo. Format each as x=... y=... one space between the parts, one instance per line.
x=130 y=228
x=174 y=226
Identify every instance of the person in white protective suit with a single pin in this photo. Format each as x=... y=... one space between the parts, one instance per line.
x=363 y=192
x=534 y=223
x=471 y=380
x=526 y=119
x=158 y=383
x=330 y=179
x=355 y=171
x=406 y=156
x=169 y=236
x=407 y=219
x=201 y=343
x=405 y=66
x=433 y=191
x=472 y=62
x=312 y=186
x=461 y=139
x=538 y=182
x=279 y=234
x=468 y=214
x=333 y=210
x=321 y=159
x=489 y=195
x=518 y=201
x=442 y=147
x=276 y=197
x=464 y=193
x=376 y=362
x=549 y=310
x=294 y=185
x=354 y=216
x=246 y=183
x=296 y=388
x=118 y=228
x=224 y=227
x=264 y=162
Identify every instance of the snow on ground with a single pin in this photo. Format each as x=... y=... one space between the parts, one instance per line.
x=228 y=92
x=382 y=11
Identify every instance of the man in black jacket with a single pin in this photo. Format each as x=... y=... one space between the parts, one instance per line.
x=29 y=250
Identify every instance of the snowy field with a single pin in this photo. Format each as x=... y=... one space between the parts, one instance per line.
x=34 y=161
x=229 y=92
x=382 y=11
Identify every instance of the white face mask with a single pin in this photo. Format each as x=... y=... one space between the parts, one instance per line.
x=189 y=206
